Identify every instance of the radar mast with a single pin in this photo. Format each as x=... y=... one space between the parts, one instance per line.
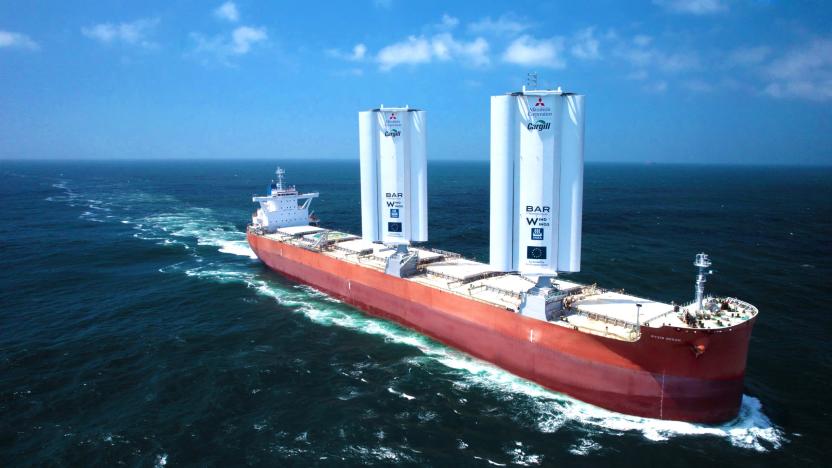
x=701 y=262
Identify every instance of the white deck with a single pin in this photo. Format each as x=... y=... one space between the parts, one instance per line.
x=565 y=285
x=587 y=308
x=514 y=283
x=358 y=246
x=332 y=236
x=623 y=307
x=299 y=230
x=459 y=269
x=382 y=253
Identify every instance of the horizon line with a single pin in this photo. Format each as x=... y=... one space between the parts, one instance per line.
x=439 y=160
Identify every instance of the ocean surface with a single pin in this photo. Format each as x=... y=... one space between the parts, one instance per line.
x=137 y=328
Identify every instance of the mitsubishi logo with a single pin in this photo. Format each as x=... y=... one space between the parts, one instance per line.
x=540 y=102
x=393 y=116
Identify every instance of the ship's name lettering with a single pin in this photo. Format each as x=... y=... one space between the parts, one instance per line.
x=666 y=338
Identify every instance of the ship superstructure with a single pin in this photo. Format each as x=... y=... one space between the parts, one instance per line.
x=618 y=351
x=282 y=206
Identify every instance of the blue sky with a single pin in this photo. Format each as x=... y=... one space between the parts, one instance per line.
x=687 y=81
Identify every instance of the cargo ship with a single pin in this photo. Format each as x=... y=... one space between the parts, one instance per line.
x=618 y=351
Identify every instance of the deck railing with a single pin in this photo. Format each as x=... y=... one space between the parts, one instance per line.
x=607 y=319
x=505 y=292
x=444 y=253
x=660 y=316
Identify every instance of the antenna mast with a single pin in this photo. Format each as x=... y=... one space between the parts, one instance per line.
x=702 y=261
x=279 y=172
x=531 y=80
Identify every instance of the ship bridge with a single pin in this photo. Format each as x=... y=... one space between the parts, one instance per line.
x=282 y=206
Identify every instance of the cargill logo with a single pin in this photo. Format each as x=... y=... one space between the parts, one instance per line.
x=394 y=133
x=540 y=125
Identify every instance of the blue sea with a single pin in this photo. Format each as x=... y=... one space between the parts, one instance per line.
x=137 y=328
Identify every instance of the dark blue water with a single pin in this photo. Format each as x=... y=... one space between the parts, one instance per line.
x=136 y=329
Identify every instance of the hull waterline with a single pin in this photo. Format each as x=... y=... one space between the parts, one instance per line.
x=667 y=373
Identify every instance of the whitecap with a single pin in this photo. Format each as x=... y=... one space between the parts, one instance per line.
x=401 y=394
x=240 y=248
x=380 y=453
x=584 y=447
x=520 y=457
x=751 y=429
x=489 y=461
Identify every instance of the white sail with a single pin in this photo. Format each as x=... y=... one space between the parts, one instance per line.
x=536 y=181
x=393 y=143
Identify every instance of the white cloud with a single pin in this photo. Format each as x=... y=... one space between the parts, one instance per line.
x=699 y=86
x=804 y=89
x=133 y=33
x=358 y=53
x=243 y=37
x=642 y=40
x=474 y=52
x=693 y=7
x=505 y=25
x=657 y=87
x=528 y=51
x=414 y=50
x=677 y=61
x=804 y=72
x=228 y=12
x=448 y=22
x=13 y=40
x=222 y=48
x=638 y=75
x=650 y=62
x=806 y=60
x=585 y=45
x=417 y=50
x=639 y=54
x=349 y=72
x=745 y=56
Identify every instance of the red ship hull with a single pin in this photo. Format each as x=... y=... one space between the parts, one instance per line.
x=668 y=373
